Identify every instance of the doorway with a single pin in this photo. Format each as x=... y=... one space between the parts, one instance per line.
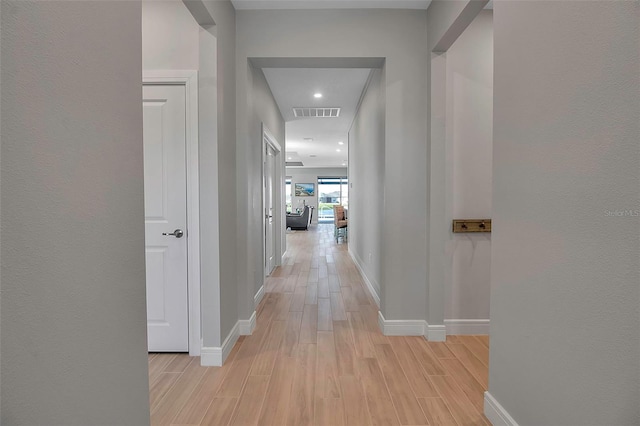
x=171 y=214
x=461 y=184
x=270 y=247
x=332 y=191
x=272 y=195
x=165 y=217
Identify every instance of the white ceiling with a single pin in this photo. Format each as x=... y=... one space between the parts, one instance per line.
x=331 y=4
x=295 y=87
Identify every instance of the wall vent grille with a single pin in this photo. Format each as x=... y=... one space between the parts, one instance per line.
x=293 y=163
x=316 y=112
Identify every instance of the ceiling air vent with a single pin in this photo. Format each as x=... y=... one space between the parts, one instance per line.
x=294 y=163
x=316 y=112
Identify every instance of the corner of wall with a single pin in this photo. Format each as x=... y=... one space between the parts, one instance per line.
x=215 y=356
x=467 y=326
x=367 y=280
x=246 y=327
x=433 y=333
x=258 y=297
x=496 y=413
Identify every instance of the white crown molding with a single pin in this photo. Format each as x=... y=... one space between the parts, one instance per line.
x=496 y=413
x=215 y=356
x=246 y=327
x=467 y=326
x=370 y=287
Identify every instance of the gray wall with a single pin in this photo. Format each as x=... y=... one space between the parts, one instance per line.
x=210 y=253
x=565 y=345
x=398 y=36
x=224 y=30
x=263 y=109
x=468 y=158
x=443 y=14
x=446 y=20
x=169 y=36
x=73 y=280
x=366 y=179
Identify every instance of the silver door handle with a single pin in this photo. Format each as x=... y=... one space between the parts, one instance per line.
x=178 y=233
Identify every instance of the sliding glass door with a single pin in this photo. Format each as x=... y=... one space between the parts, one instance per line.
x=331 y=191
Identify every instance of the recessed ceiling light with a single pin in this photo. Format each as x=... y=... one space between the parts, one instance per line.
x=340 y=143
x=317 y=95
x=338 y=150
x=288 y=158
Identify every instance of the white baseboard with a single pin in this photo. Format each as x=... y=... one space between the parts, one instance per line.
x=370 y=287
x=496 y=413
x=400 y=327
x=435 y=333
x=467 y=326
x=246 y=327
x=215 y=356
x=258 y=297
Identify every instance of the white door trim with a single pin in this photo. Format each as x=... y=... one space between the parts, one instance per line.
x=189 y=79
x=268 y=138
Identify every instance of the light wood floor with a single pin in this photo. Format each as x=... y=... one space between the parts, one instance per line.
x=317 y=357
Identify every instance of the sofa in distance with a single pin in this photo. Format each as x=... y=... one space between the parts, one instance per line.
x=300 y=221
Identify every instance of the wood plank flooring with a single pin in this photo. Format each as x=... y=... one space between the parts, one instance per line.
x=317 y=357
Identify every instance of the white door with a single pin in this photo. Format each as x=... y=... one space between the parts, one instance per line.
x=165 y=204
x=269 y=171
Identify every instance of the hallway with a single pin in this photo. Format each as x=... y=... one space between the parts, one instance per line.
x=317 y=357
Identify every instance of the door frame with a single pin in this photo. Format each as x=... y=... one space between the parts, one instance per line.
x=278 y=189
x=269 y=264
x=188 y=79
x=441 y=166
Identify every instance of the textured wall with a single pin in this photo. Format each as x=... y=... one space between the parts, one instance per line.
x=565 y=345
x=72 y=261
